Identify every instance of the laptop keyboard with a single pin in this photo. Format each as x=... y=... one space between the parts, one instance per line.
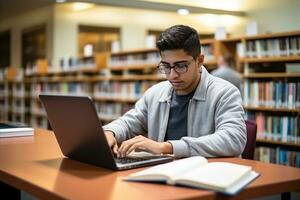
x=127 y=160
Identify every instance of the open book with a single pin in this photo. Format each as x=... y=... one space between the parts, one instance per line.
x=10 y=129
x=197 y=172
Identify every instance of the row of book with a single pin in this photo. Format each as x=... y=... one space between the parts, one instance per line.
x=106 y=111
x=276 y=94
x=111 y=110
x=278 y=156
x=17 y=89
x=131 y=90
x=60 y=88
x=277 y=128
x=285 y=46
x=149 y=58
x=67 y=64
x=18 y=106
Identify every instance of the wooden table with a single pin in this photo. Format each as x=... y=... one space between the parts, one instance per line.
x=36 y=165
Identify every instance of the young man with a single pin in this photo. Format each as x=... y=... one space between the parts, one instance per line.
x=193 y=113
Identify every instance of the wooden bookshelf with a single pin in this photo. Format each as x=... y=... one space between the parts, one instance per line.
x=269 y=109
x=21 y=97
x=116 y=99
x=133 y=67
x=232 y=39
x=207 y=41
x=265 y=79
x=63 y=73
x=271 y=75
x=135 y=51
x=277 y=143
x=60 y=78
x=121 y=68
x=272 y=35
x=150 y=77
x=270 y=59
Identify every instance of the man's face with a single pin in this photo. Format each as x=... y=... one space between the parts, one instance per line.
x=183 y=83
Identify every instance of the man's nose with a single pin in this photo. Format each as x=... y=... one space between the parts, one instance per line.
x=173 y=73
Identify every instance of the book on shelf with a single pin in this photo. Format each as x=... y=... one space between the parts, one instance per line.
x=11 y=129
x=292 y=67
x=284 y=128
x=197 y=172
x=272 y=94
x=278 y=155
x=285 y=46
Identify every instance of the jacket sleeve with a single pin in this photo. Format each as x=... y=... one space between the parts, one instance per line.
x=132 y=123
x=229 y=138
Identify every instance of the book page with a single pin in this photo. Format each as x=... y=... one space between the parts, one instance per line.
x=215 y=175
x=169 y=170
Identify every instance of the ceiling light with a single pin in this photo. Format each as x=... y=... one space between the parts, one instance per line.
x=183 y=11
x=79 y=6
x=61 y=1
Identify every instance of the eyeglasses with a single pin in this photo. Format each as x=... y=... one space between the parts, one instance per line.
x=180 y=68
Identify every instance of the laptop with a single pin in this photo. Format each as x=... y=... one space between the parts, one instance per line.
x=80 y=136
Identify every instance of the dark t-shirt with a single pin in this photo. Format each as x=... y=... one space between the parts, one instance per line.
x=177 y=123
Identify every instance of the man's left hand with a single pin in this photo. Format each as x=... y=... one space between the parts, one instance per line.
x=145 y=144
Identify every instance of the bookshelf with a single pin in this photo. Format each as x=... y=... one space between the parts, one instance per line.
x=117 y=80
x=271 y=95
x=114 y=80
x=271 y=75
x=210 y=51
x=128 y=75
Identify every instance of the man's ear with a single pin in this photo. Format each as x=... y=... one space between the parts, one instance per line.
x=200 y=59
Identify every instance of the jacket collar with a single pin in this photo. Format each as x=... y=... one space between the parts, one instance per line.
x=201 y=90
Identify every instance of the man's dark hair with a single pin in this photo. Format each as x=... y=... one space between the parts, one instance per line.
x=180 y=37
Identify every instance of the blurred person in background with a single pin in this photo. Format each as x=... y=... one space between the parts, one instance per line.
x=225 y=70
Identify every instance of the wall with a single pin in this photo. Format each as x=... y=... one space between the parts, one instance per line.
x=275 y=16
x=26 y=20
x=62 y=23
x=133 y=24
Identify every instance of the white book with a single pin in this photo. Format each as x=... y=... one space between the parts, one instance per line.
x=284 y=129
x=197 y=172
x=246 y=93
x=240 y=49
x=14 y=129
x=258 y=48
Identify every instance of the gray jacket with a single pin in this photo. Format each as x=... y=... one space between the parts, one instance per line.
x=216 y=126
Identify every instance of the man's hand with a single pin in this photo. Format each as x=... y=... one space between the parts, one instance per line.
x=145 y=144
x=112 y=142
